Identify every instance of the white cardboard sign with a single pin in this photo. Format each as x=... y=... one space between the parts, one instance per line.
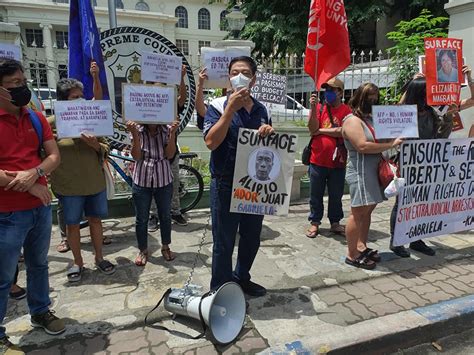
x=394 y=121
x=161 y=68
x=217 y=60
x=91 y=117
x=10 y=51
x=149 y=103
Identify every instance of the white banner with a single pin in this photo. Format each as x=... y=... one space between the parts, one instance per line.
x=438 y=197
x=10 y=51
x=263 y=173
x=394 y=121
x=76 y=117
x=217 y=60
x=161 y=68
x=149 y=103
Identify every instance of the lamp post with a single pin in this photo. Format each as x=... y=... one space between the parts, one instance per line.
x=236 y=21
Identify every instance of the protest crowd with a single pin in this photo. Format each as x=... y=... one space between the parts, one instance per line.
x=37 y=161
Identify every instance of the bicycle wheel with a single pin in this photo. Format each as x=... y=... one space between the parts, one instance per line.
x=191 y=187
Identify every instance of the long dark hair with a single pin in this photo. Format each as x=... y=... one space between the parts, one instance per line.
x=359 y=103
x=416 y=94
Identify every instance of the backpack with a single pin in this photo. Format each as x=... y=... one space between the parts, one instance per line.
x=35 y=121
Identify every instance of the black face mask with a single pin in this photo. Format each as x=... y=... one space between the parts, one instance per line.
x=20 y=95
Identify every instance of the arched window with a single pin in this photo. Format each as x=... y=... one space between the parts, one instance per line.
x=223 y=24
x=142 y=6
x=182 y=14
x=204 y=19
x=119 y=4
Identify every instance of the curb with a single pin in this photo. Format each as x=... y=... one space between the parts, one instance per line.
x=388 y=334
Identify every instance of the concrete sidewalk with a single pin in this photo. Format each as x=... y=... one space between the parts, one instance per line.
x=315 y=302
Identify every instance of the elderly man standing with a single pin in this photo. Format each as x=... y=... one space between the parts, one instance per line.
x=223 y=119
x=25 y=210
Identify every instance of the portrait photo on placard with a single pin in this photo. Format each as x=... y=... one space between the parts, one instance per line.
x=264 y=165
x=447 y=66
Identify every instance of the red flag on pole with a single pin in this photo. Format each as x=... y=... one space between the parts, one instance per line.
x=327 y=46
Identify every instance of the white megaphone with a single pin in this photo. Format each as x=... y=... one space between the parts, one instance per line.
x=222 y=310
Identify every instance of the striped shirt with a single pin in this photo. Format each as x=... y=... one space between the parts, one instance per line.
x=154 y=169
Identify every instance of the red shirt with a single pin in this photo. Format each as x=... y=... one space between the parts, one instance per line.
x=323 y=146
x=19 y=146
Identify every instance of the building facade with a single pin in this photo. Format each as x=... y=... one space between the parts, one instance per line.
x=41 y=28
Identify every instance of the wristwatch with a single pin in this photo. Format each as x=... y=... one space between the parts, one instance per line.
x=40 y=172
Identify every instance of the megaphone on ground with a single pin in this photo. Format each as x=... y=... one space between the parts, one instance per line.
x=222 y=310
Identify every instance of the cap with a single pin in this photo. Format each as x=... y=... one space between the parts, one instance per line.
x=334 y=83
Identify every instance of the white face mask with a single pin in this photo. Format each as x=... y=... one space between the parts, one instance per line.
x=240 y=81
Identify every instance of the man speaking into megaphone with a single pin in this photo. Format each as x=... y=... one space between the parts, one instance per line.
x=223 y=119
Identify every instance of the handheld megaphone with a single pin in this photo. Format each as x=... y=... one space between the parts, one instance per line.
x=222 y=310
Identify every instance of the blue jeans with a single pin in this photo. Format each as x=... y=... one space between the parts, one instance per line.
x=142 y=197
x=334 y=179
x=224 y=229
x=32 y=230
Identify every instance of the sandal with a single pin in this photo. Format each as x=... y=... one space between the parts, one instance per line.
x=74 y=274
x=106 y=267
x=362 y=261
x=63 y=247
x=167 y=254
x=337 y=228
x=312 y=233
x=106 y=240
x=141 y=258
x=372 y=254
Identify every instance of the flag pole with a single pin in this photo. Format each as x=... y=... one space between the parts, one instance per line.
x=316 y=58
x=112 y=14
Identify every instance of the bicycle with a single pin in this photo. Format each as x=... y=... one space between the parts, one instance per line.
x=191 y=184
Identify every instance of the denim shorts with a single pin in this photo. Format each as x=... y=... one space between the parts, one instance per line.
x=90 y=205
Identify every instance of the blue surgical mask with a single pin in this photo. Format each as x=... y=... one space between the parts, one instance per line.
x=330 y=96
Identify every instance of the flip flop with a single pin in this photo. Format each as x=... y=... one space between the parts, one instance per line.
x=312 y=233
x=63 y=247
x=141 y=259
x=339 y=229
x=74 y=274
x=106 y=267
x=168 y=255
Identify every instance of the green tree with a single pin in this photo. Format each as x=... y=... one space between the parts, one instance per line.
x=409 y=42
x=281 y=25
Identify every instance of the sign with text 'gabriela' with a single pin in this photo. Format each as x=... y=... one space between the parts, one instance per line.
x=149 y=103
x=81 y=116
x=264 y=173
x=394 y=121
x=161 y=68
x=443 y=70
x=438 y=197
x=270 y=90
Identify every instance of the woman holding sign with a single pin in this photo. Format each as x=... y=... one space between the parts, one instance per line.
x=152 y=147
x=362 y=174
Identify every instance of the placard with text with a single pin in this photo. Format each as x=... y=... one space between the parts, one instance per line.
x=395 y=121
x=83 y=116
x=270 y=89
x=264 y=173
x=438 y=197
x=152 y=104
x=443 y=70
x=10 y=51
x=161 y=68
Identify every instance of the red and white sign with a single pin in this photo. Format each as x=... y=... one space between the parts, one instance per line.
x=443 y=70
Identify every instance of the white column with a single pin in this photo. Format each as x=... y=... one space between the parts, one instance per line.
x=48 y=49
x=461 y=25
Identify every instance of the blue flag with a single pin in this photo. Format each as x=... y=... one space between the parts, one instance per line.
x=84 y=47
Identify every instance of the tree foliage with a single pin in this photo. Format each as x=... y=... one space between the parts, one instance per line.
x=281 y=25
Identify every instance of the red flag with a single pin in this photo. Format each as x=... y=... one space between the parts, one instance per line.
x=327 y=46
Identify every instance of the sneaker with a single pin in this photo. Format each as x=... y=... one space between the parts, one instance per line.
x=401 y=251
x=252 y=289
x=18 y=295
x=49 y=322
x=179 y=219
x=421 y=247
x=153 y=223
x=7 y=348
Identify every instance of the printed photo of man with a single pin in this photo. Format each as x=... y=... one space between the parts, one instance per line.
x=446 y=64
x=263 y=165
